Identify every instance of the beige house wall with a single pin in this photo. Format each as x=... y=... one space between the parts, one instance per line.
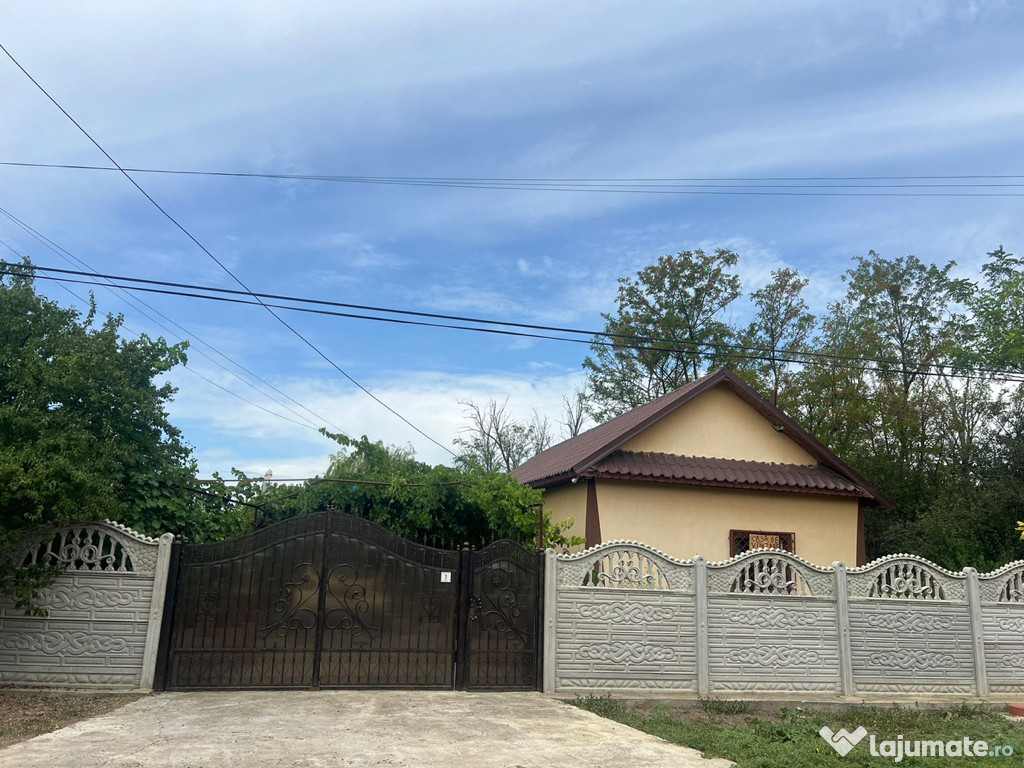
x=719 y=424
x=684 y=521
x=567 y=501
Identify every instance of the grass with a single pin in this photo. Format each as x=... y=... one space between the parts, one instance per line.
x=25 y=715
x=788 y=738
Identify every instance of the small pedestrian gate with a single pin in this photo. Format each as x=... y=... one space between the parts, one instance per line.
x=329 y=600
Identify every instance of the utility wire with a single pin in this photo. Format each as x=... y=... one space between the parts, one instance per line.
x=851 y=363
x=72 y=259
x=194 y=372
x=217 y=261
x=692 y=186
x=768 y=353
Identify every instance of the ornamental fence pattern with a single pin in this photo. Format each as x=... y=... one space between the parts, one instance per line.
x=104 y=611
x=623 y=615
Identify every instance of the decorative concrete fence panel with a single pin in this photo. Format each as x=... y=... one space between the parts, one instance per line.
x=626 y=618
x=103 y=613
x=772 y=625
x=623 y=615
x=1002 y=621
x=910 y=628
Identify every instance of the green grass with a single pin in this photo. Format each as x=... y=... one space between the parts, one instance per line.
x=788 y=738
x=713 y=706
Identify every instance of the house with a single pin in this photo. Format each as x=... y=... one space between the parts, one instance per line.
x=711 y=469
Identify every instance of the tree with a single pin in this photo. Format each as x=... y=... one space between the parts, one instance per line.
x=780 y=329
x=971 y=520
x=891 y=404
x=906 y=390
x=84 y=432
x=495 y=440
x=574 y=411
x=678 y=302
x=998 y=306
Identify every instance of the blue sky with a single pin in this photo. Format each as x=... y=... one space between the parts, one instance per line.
x=526 y=89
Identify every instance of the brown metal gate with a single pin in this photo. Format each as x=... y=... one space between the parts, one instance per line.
x=333 y=601
x=502 y=583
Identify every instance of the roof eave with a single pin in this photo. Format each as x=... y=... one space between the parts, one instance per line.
x=552 y=481
x=726 y=484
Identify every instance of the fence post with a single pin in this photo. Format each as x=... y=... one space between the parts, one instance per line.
x=550 y=613
x=843 y=623
x=977 y=631
x=168 y=612
x=700 y=591
x=156 y=612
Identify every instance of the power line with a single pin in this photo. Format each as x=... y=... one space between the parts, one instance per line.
x=716 y=346
x=219 y=263
x=71 y=258
x=194 y=372
x=768 y=186
x=839 y=361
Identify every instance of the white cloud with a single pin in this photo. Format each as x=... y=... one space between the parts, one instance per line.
x=350 y=250
x=430 y=399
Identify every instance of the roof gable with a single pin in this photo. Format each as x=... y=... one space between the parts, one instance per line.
x=722 y=425
x=575 y=456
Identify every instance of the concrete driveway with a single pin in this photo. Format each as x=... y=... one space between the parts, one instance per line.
x=309 y=729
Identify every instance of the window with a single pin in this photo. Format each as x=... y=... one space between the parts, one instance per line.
x=744 y=541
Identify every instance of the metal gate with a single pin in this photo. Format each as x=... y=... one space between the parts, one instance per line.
x=333 y=601
x=502 y=583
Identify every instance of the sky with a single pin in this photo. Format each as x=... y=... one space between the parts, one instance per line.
x=466 y=89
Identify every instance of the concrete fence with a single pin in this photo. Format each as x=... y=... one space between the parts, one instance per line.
x=618 y=616
x=625 y=616
x=104 y=612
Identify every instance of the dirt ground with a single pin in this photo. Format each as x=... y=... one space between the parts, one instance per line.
x=25 y=714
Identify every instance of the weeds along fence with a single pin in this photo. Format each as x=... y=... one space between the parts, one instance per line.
x=104 y=611
x=625 y=616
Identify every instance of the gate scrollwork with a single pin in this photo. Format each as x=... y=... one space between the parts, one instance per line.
x=497 y=609
x=344 y=589
x=294 y=602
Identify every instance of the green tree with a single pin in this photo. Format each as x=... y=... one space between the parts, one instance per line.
x=892 y=405
x=680 y=301
x=998 y=306
x=972 y=519
x=84 y=432
x=781 y=328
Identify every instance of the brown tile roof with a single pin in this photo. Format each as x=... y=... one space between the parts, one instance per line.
x=698 y=470
x=575 y=456
x=561 y=459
